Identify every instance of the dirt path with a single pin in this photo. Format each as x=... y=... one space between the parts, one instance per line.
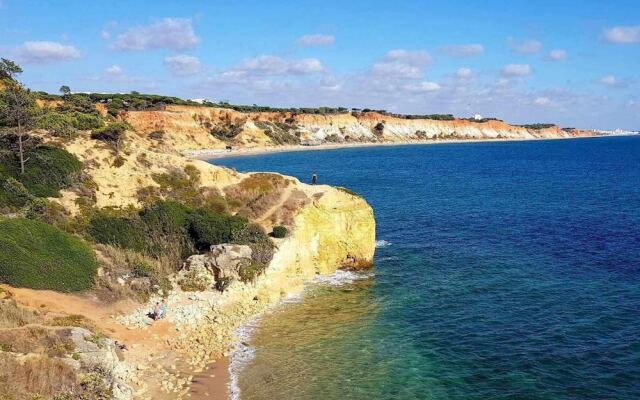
x=284 y=196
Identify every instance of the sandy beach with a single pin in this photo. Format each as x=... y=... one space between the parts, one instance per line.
x=210 y=154
x=212 y=383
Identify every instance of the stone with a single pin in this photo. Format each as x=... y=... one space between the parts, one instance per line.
x=222 y=262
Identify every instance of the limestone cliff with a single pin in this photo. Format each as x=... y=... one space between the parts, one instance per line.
x=193 y=127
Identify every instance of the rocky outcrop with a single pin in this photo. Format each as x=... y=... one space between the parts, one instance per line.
x=222 y=262
x=76 y=354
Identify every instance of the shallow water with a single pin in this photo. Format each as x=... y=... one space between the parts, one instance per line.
x=508 y=270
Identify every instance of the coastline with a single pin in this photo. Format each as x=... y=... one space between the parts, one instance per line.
x=213 y=154
x=217 y=380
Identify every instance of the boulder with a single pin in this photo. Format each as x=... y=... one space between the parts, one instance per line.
x=223 y=262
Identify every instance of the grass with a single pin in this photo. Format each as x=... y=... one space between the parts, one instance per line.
x=12 y=316
x=40 y=256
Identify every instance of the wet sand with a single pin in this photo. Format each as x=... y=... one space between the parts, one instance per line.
x=212 y=383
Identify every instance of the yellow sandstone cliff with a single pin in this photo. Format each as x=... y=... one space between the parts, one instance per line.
x=195 y=127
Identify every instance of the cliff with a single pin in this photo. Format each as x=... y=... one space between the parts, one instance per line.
x=194 y=127
x=328 y=228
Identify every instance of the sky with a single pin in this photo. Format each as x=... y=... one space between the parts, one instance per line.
x=572 y=62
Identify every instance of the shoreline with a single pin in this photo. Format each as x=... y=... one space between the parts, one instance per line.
x=213 y=154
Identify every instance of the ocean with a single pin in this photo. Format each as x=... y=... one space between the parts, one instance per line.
x=504 y=270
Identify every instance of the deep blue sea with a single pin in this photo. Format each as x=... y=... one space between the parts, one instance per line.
x=512 y=271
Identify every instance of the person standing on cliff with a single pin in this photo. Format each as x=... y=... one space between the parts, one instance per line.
x=314 y=178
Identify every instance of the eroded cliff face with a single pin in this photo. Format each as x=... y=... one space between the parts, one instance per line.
x=192 y=128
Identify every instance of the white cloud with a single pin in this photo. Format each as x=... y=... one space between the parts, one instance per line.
x=613 y=81
x=463 y=50
x=47 y=52
x=557 y=55
x=169 y=33
x=114 y=70
x=464 y=73
x=622 y=34
x=423 y=87
x=543 y=101
x=525 y=46
x=317 y=40
x=306 y=66
x=105 y=35
x=403 y=64
x=274 y=65
x=516 y=70
x=183 y=65
x=413 y=57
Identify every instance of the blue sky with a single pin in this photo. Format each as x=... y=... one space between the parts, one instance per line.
x=571 y=62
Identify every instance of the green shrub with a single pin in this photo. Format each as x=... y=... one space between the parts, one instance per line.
x=40 y=256
x=127 y=232
x=58 y=124
x=85 y=122
x=118 y=162
x=279 y=232
x=111 y=134
x=13 y=194
x=48 y=212
x=255 y=237
x=208 y=228
x=166 y=217
x=48 y=170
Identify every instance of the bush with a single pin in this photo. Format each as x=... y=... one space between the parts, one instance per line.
x=127 y=232
x=207 y=228
x=254 y=236
x=86 y=122
x=13 y=194
x=58 y=124
x=279 y=232
x=111 y=134
x=118 y=162
x=48 y=212
x=166 y=217
x=48 y=170
x=157 y=135
x=40 y=256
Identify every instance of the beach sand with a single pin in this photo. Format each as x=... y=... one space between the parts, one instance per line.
x=209 y=154
x=212 y=383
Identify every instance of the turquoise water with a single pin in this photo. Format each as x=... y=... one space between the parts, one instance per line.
x=513 y=272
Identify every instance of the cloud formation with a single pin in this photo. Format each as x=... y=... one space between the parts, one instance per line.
x=183 y=65
x=464 y=73
x=463 y=50
x=169 y=33
x=45 y=52
x=622 y=34
x=516 y=70
x=525 y=46
x=613 y=81
x=317 y=40
x=402 y=64
x=557 y=55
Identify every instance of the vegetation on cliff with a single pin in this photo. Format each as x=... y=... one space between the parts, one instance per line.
x=40 y=256
x=43 y=246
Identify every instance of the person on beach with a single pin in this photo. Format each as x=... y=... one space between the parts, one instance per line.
x=159 y=311
x=314 y=178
